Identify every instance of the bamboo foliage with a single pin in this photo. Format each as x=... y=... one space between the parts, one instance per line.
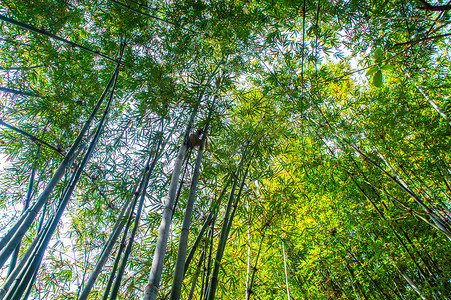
x=325 y=173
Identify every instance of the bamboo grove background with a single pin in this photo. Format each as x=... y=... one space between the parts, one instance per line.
x=321 y=168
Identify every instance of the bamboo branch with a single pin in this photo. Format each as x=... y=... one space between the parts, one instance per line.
x=16 y=92
x=32 y=137
x=52 y=36
x=422 y=40
x=431 y=7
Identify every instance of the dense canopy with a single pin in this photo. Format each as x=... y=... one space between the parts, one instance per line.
x=219 y=149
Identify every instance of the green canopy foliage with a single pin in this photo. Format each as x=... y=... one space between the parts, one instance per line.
x=341 y=109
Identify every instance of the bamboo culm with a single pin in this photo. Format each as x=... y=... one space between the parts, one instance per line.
x=129 y=205
x=226 y=226
x=208 y=221
x=183 y=242
x=222 y=240
x=14 y=277
x=10 y=241
x=179 y=191
x=128 y=249
x=15 y=253
x=151 y=290
x=36 y=259
x=195 y=276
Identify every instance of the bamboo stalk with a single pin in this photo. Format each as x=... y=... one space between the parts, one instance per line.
x=151 y=290
x=183 y=242
x=195 y=276
x=28 y=275
x=127 y=209
x=11 y=239
x=128 y=249
x=15 y=253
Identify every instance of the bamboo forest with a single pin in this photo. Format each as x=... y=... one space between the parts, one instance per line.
x=212 y=149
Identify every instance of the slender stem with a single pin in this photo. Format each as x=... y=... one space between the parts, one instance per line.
x=15 y=254
x=28 y=274
x=17 y=92
x=128 y=249
x=32 y=137
x=10 y=241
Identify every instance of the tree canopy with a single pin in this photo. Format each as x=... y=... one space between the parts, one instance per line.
x=225 y=149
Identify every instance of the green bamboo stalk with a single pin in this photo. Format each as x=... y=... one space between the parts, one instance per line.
x=222 y=239
x=128 y=249
x=15 y=253
x=357 y=283
x=398 y=238
x=183 y=242
x=254 y=271
x=195 y=276
x=284 y=260
x=15 y=276
x=210 y=219
x=28 y=274
x=52 y=36
x=206 y=275
x=120 y=249
x=228 y=218
x=411 y=283
x=127 y=209
x=197 y=241
x=15 y=234
x=179 y=191
x=439 y=223
x=151 y=290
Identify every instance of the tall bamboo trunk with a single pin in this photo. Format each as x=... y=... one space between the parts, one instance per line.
x=247 y=293
x=27 y=274
x=10 y=241
x=183 y=243
x=226 y=226
x=128 y=249
x=127 y=209
x=151 y=289
x=195 y=276
x=25 y=206
x=284 y=259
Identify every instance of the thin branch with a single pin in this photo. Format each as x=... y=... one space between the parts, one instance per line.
x=16 y=92
x=32 y=137
x=43 y=32
x=422 y=40
x=430 y=7
x=373 y=65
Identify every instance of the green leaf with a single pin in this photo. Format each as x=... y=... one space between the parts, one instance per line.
x=371 y=71
x=379 y=54
x=377 y=79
